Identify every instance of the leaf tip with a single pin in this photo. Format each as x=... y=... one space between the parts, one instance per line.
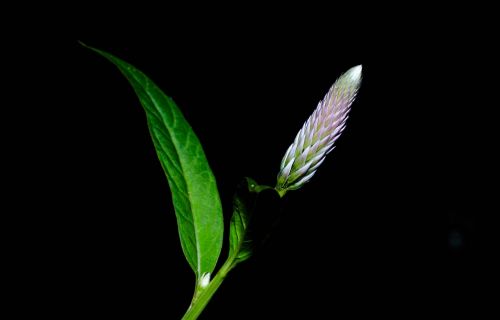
x=85 y=45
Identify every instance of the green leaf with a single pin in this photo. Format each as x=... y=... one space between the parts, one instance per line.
x=240 y=246
x=192 y=183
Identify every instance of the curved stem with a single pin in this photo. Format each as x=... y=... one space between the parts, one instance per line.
x=202 y=299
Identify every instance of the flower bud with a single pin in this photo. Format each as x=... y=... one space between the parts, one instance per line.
x=317 y=136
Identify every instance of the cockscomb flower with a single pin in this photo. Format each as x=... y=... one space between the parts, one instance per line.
x=317 y=136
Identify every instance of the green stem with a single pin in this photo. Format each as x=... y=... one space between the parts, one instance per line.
x=202 y=299
x=202 y=295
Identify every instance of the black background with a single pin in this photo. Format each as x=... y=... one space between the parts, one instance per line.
x=390 y=224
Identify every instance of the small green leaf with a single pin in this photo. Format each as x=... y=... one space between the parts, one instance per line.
x=240 y=246
x=192 y=183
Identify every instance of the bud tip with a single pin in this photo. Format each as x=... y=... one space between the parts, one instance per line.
x=355 y=73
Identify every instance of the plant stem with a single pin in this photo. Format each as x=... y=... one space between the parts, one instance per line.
x=202 y=299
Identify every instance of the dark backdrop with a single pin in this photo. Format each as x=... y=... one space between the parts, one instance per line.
x=389 y=224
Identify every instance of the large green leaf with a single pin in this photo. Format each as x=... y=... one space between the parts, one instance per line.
x=192 y=183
